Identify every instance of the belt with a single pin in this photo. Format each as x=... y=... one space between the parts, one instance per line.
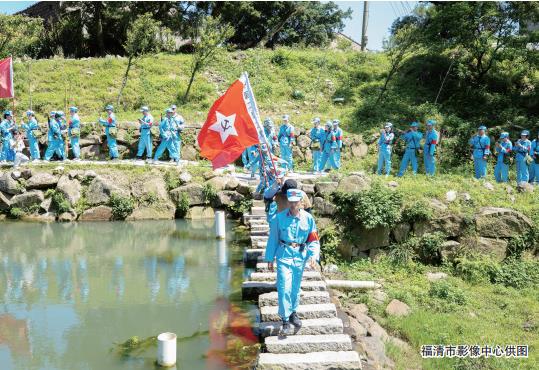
x=294 y=245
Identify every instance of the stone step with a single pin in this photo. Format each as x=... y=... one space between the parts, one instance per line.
x=258 y=203
x=304 y=311
x=258 y=211
x=332 y=325
x=342 y=360
x=308 y=343
x=252 y=289
x=250 y=256
x=258 y=238
x=259 y=232
x=262 y=266
x=266 y=276
x=260 y=227
x=307 y=297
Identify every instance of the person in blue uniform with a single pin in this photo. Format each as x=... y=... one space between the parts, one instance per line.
x=523 y=149
x=56 y=142
x=74 y=132
x=329 y=145
x=429 y=148
x=179 y=125
x=504 y=147
x=480 y=144
x=412 y=137
x=145 y=140
x=534 y=167
x=31 y=127
x=293 y=240
x=269 y=131
x=338 y=138
x=167 y=134
x=385 y=147
x=110 y=130
x=316 y=149
x=7 y=126
x=286 y=140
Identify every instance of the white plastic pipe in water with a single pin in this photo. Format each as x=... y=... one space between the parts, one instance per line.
x=220 y=224
x=166 y=349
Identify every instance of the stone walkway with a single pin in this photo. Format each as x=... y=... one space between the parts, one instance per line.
x=321 y=342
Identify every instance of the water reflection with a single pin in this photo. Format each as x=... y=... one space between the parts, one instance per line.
x=70 y=291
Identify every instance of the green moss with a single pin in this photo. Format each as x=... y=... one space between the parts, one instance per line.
x=121 y=206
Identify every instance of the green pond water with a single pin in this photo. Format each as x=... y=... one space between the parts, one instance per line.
x=69 y=292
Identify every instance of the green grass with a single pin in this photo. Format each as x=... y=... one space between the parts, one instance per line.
x=452 y=312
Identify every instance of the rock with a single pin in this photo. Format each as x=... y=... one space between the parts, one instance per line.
x=357 y=330
x=303 y=141
x=373 y=349
x=359 y=150
x=75 y=174
x=218 y=182
x=325 y=188
x=452 y=225
x=466 y=197
x=437 y=205
x=9 y=185
x=151 y=213
x=46 y=205
x=28 y=199
x=41 y=180
x=488 y=186
x=58 y=170
x=67 y=216
x=70 y=188
x=90 y=140
x=244 y=189
x=400 y=232
x=5 y=201
x=435 y=276
x=232 y=183
x=356 y=309
x=331 y=268
x=101 y=189
x=189 y=153
x=393 y=184
x=193 y=192
x=379 y=296
x=376 y=254
x=297 y=153
x=227 y=198
x=323 y=222
x=185 y=177
x=145 y=188
x=353 y=184
x=323 y=207
x=449 y=250
x=47 y=217
x=525 y=187
x=491 y=246
x=370 y=239
x=90 y=152
x=451 y=196
x=400 y=343
x=496 y=222
x=26 y=173
x=375 y=330
x=307 y=189
x=509 y=189
x=15 y=175
x=99 y=213
x=196 y=213
x=89 y=174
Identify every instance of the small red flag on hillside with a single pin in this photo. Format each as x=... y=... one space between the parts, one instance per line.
x=6 y=78
x=229 y=128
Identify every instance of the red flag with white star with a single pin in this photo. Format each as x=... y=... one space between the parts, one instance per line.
x=229 y=128
x=6 y=78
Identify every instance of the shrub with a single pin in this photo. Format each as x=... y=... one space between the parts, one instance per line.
x=521 y=243
x=121 y=206
x=183 y=206
x=444 y=290
x=172 y=180
x=209 y=193
x=298 y=95
x=150 y=199
x=242 y=206
x=16 y=212
x=416 y=211
x=330 y=239
x=425 y=248
x=377 y=206
x=59 y=202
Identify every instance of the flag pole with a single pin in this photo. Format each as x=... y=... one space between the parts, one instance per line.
x=256 y=116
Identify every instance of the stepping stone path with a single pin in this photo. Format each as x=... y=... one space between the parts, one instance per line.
x=321 y=342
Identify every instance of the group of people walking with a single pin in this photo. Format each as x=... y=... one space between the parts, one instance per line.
x=64 y=132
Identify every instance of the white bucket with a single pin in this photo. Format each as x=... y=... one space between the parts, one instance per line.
x=220 y=224
x=166 y=349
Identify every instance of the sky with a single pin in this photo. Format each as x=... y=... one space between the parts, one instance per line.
x=381 y=16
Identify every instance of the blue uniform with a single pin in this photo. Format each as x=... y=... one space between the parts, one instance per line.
x=316 y=136
x=272 y=138
x=145 y=141
x=481 y=151
x=74 y=123
x=33 y=142
x=329 y=145
x=412 y=140
x=522 y=148
x=337 y=152
x=534 y=168
x=501 y=171
x=111 y=141
x=286 y=229
x=385 y=146
x=286 y=138
x=6 y=128
x=55 y=144
x=168 y=135
x=429 y=150
x=178 y=125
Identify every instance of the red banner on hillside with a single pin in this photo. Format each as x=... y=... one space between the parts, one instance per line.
x=6 y=78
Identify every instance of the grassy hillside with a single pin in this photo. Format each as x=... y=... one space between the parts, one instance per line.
x=302 y=83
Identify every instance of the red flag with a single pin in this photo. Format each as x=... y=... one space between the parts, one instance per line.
x=6 y=78
x=229 y=128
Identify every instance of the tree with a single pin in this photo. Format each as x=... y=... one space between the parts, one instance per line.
x=208 y=37
x=144 y=36
x=19 y=35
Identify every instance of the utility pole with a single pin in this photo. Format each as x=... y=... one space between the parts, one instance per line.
x=364 y=26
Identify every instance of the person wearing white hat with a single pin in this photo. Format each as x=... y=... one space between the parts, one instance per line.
x=73 y=127
x=329 y=146
x=178 y=125
x=56 y=143
x=338 y=137
x=523 y=150
x=480 y=145
x=145 y=141
x=6 y=130
x=32 y=129
x=293 y=240
x=504 y=147
x=110 y=131
x=385 y=147
x=167 y=134
x=286 y=140
x=316 y=149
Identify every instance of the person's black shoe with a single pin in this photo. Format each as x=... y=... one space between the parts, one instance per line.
x=294 y=319
x=285 y=329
